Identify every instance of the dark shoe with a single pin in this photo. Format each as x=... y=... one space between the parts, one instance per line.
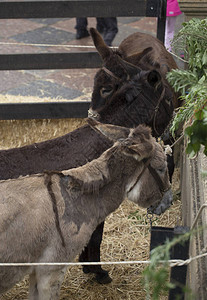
x=82 y=34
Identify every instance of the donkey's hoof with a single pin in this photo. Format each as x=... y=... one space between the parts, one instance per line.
x=103 y=278
x=86 y=269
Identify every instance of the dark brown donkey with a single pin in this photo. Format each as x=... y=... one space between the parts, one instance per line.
x=140 y=61
x=84 y=144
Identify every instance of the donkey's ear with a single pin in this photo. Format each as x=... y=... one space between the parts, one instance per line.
x=103 y=50
x=112 y=132
x=136 y=58
x=154 y=78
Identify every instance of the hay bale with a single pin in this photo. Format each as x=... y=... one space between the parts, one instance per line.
x=17 y=133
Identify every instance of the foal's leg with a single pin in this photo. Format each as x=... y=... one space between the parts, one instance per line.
x=92 y=253
x=33 y=292
x=46 y=283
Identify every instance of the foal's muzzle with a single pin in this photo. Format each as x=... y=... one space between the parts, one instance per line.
x=93 y=114
x=163 y=205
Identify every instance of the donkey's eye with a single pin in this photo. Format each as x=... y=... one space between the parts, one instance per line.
x=106 y=91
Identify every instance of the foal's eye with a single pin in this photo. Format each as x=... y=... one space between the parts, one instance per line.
x=161 y=170
x=106 y=91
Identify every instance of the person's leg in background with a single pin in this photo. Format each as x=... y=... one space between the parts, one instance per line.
x=100 y=25
x=110 y=30
x=81 y=27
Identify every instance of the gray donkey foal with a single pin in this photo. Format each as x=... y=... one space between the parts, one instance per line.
x=50 y=217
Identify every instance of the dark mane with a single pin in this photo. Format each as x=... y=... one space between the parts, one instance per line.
x=71 y=150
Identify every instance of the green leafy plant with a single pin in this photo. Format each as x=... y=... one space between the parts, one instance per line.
x=156 y=276
x=197 y=133
x=192 y=85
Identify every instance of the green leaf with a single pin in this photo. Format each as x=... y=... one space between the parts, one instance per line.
x=196 y=146
x=204 y=58
x=188 y=131
x=199 y=115
x=202 y=79
x=190 y=151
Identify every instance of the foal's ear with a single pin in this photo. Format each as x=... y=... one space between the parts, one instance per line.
x=129 y=67
x=103 y=50
x=141 y=150
x=85 y=182
x=137 y=57
x=112 y=132
x=154 y=78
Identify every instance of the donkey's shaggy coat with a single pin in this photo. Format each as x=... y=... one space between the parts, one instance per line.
x=50 y=217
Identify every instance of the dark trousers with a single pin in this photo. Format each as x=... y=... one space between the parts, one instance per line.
x=110 y=29
x=81 y=24
x=106 y=26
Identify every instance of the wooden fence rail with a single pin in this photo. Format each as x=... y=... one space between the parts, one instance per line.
x=66 y=9
x=78 y=8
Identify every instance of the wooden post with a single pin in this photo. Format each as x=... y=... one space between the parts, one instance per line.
x=194 y=187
